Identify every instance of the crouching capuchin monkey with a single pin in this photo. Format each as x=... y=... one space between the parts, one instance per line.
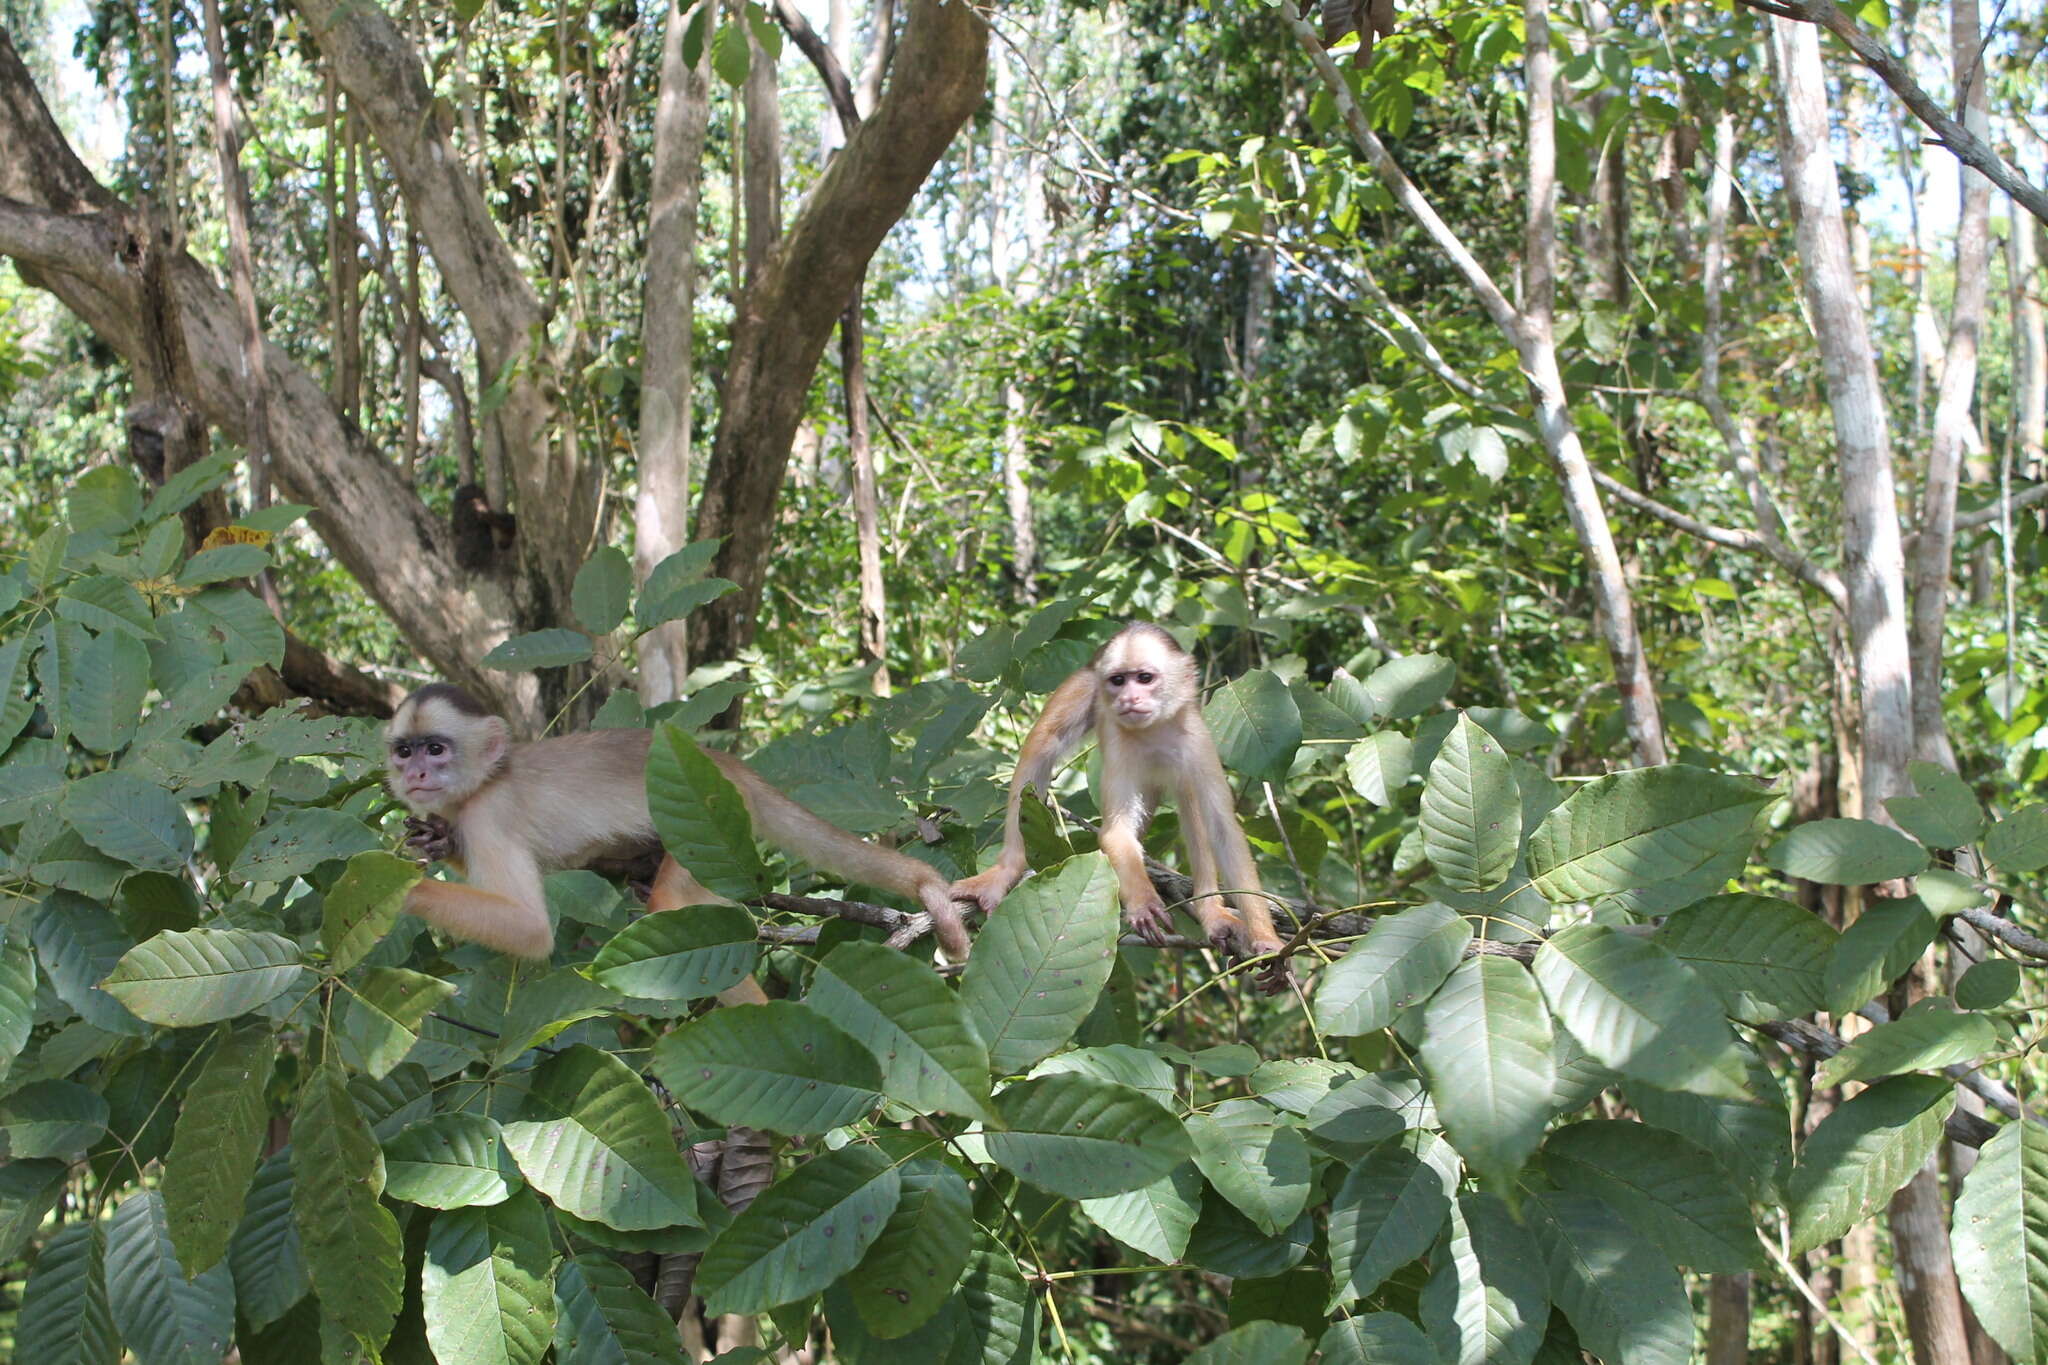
x=1139 y=695
x=514 y=812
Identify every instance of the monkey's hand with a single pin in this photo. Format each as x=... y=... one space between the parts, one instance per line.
x=1274 y=976
x=429 y=838
x=1149 y=920
x=987 y=889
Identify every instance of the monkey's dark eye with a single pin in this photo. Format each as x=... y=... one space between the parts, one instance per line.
x=1116 y=680
x=436 y=748
x=401 y=750
x=1145 y=679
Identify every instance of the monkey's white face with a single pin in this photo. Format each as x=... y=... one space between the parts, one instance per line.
x=438 y=757
x=1141 y=684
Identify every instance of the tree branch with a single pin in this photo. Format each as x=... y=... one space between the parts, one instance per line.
x=1748 y=542
x=837 y=88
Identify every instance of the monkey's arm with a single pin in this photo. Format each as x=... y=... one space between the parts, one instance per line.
x=1068 y=717
x=502 y=907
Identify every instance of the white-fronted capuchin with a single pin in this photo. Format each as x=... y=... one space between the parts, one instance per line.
x=515 y=812
x=1140 y=697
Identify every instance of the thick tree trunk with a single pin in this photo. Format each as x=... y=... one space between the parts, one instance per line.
x=227 y=146
x=786 y=316
x=2023 y=260
x=682 y=114
x=1728 y=1320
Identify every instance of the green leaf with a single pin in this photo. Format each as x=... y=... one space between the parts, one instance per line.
x=129 y=820
x=28 y=1191
x=1041 y=961
x=223 y=562
x=15 y=709
x=362 y=905
x=1298 y=1084
x=1225 y=1242
x=2018 y=844
x=201 y=976
x=1254 y=1161
x=1765 y=957
x=1155 y=1219
x=1411 y=685
x=1985 y=986
x=1488 y=1298
x=216 y=1146
x=1665 y=1187
x=350 y=1240
x=383 y=1018
x=78 y=943
x=595 y=1142
x=1256 y=1343
x=2000 y=1239
x=678 y=602
x=107 y=692
x=165 y=1319
x=1487 y=1046
x=1751 y=1138
x=730 y=56
x=268 y=1260
x=1083 y=1138
x=17 y=994
x=1376 y=1339
x=802 y=1233
x=1917 y=1042
x=910 y=1271
x=1256 y=724
x=1857 y=1157
x=108 y=606
x=250 y=634
x=603 y=590
x=780 y=1066
x=701 y=818
x=898 y=1008
x=66 y=1318
x=1624 y=1300
x=1388 y=1212
x=1630 y=831
x=680 y=955
x=484 y=1287
x=1380 y=765
x=183 y=488
x=451 y=1161
x=555 y=648
x=1945 y=814
x=299 y=842
x=1846 y=853
x=602 y=1317
x=1139 y=1068
x=50 y=1118
x=1638 y=1010
x=1471 y=810
x=1880 y=947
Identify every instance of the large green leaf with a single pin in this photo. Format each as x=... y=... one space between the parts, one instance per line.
x=484 y=1287
x=685 y=955
x=1380 y=765
x=1880 y=947
x=451 y=1161
x=300 y=841
x=1263 y=1342
x=1918 y=1042
x=554 y=648
x=201 y=976
x=1411 y=685
x=108 y=690
x=1487 y=1298
x=1859 y=1156
x=1253 y=1160
x=216 y=1145
x=1401 y=961
x=1139 y=1068
x=249 y=632
x=350 y=1240
x=1156 y=1219
x=2001 y=1239
x=17 y=994
x=1765 y=957
x=603 y=589
x=910 y=1271
x=28 y=1191
x=222 y=563
x=1487 y=1045
x=1084 y=1138
x=595 y=1142
x=604 y=1318
x=1376 y=1339
x=78 y=942
x=1624 y=1300
x=1388 y=1212
x=2018 y=844
x=129 y=820
x=780 y=1066
x=1751 y=1137
x=1256 y=724
x=1668 y=1189
x=679 y=601
x=1632 y=830
x=66 y=1318
x=363 y=904
x=1639 y=1010
x=701 y=818
x=1944 y=814
x=165 y=1319
x=932 y=1059
x=1846 y=853
x=268 y=1260
x=1001 y=1313
x=802 y=1233
x=1041 y=961
x=384 y=1014
x=1225 y=1242
x=1471 y=810
x=50 y=1119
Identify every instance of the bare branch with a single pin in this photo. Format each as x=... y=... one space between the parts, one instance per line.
x=1749 y=542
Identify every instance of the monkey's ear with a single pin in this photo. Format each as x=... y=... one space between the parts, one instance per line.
x=493 y=742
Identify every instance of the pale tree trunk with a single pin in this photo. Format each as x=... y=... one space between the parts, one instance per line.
x=1021 y=279
x=2031 y=363
x=1874 y=575
x=227 y=146
x=661 y=507
x=1531 y=332
x=785 y=315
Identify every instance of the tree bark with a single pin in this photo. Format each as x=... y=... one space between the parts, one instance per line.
x=227 y=146
x=1728 y=1320
x=2023 y=262
x=682 y=114
x=785 y=317
x=1021 y=279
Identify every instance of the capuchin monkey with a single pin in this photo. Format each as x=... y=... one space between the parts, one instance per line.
x=514 y=812
x=1138 y=694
